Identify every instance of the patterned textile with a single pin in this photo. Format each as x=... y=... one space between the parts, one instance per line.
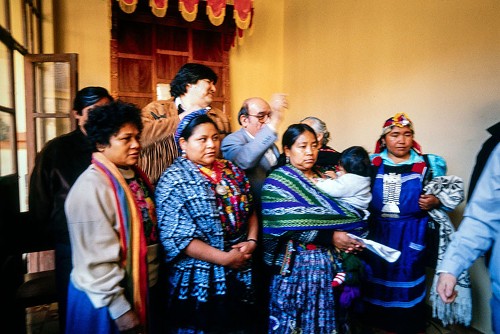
x=450 y=192
x=143 y=193
x=298 y=224
x=132 y=238
x=292 y=207
x=292 y=202
x=400 y=120
x=234 y=204
x=305 y=301
x=187 y=209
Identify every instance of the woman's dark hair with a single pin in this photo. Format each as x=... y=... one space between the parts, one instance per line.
x=290 y=137
x=191 y=126
x=355 y=160
x=88 y=96
x=105 y=121
x=190 y=73
x=293 y=132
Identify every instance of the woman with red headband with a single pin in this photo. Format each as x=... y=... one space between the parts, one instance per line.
x=395 y=292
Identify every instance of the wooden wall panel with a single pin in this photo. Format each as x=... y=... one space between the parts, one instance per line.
x=147 y=51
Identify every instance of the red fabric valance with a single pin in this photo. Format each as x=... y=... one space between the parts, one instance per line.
x=216 y=10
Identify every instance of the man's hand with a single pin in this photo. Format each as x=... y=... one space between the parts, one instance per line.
x=278 y=103
x=446 y=287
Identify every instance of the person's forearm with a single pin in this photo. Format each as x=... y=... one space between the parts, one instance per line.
x=202 y=251
x=247 y=155
x=471 y=240
x=253 y=227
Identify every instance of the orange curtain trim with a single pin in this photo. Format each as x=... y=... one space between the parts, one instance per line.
x=159 y=7
x=243 y=13
x=189 y=5
x=243 y=8
x=240 y=22
x=216 y=20
x=216 y=12
x=128 y=6
x=217 y=7
x=188 y=9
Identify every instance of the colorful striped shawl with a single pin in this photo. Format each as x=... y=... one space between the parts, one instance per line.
x=291 y=202
x=132 y=238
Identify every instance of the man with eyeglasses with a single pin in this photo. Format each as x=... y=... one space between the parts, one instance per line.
x=253 y=149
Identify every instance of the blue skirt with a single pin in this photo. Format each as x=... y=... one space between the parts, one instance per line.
x=395 y=292
x=83 y=318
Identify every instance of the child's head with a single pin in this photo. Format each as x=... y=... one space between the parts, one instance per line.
x=355 y=160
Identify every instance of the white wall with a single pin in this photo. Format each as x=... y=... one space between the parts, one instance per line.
x=356 y=63
x=84 y=27
x=256 y=66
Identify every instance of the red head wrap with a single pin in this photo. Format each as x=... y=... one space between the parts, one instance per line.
x=400 y=120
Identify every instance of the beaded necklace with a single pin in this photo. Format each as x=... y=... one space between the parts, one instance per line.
x=214 y=175
x=231 y=191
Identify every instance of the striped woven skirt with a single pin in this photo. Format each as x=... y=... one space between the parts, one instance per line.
x=304 y=301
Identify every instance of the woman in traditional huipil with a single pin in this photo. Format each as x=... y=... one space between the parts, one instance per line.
x=209 y=231
x=302 y=226
x=328 y=158
x=395 y=292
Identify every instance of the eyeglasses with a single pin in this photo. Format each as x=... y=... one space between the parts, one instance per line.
x=261 y=118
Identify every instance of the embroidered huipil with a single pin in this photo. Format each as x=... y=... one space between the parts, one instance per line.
x=189 y=207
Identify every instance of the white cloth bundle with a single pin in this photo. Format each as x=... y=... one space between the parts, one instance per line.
x=387 y=253
x=450 y=191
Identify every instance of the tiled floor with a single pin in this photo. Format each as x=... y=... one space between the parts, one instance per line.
x=44 y=320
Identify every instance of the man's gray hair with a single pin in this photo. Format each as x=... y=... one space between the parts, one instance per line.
x=319 y=127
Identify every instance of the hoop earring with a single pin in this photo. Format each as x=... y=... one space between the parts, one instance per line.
x=287 y=160
x=183 y=153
